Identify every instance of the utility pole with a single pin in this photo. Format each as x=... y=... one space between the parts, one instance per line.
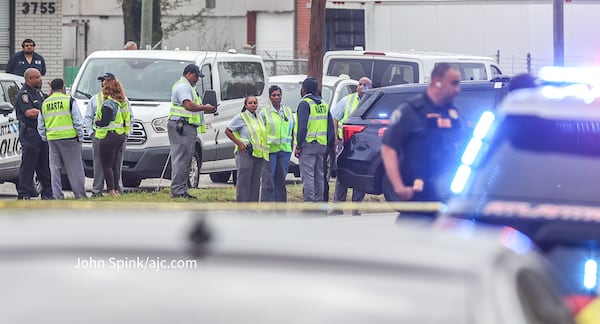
x=559 y=33
x=317 y=38
x=146 y=25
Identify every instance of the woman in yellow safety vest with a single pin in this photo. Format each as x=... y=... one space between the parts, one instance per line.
x=113 y=122
x=250 y=137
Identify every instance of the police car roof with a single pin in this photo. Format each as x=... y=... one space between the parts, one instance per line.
x=372 y=240
x=572 y=102
x=13 y=77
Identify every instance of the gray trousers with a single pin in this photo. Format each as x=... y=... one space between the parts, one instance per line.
x=312 y=172
x=182 y=150
x=98 y=185
x=249 y=170
x=66 y=154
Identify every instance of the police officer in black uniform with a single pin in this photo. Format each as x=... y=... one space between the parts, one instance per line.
x=422 y=145
x=34 y=151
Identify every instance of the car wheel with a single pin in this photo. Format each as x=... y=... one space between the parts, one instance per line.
x=194 y=177
x=388 y=190
x=220 y=177
x=132 y=182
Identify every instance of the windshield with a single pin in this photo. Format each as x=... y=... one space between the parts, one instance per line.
x=538 y=159
x=290 y=94
x=142 y=79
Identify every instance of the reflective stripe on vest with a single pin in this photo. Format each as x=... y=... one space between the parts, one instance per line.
x=279 y=130
x=120 y=124
x=258 y=136
x=317 y=122
x=351 y=105
x=193 y=117
x=58 y=120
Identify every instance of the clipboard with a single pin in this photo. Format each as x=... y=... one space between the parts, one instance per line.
x=209 y=97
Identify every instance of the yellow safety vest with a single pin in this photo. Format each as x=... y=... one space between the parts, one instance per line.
x=258 y=136
x=194 y=117
x=279 y=130
x=351 y=105
x=58 y=120
x=121 y=123
x=317 y=122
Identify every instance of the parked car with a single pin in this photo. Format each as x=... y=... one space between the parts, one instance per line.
x=332 y=91
x=147 y=77
x=391 y=68
x=534 y=165
x=360 y=165
x=159 y=265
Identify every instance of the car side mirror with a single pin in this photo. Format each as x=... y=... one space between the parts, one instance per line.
x=6 y=108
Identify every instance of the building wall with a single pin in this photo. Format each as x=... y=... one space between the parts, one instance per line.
x=302 y=27
x=45 y=29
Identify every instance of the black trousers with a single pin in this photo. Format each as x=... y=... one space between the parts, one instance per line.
x=34 y=158
x=110 y=146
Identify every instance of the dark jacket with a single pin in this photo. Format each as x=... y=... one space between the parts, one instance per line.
x=18 y=64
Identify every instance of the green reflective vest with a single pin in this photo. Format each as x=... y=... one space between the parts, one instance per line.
x=58 y=120
x=317 y=122
x=351 y=105
x=279 y=129
x=121 y=124
x=193 y=117
x=258 y=136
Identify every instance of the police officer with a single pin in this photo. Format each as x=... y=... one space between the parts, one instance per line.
x=342 y=110
x=421 y=146
x=186 y=119
x=34 y=151
x=315 y=134
x=27 y=58
x=61 y=125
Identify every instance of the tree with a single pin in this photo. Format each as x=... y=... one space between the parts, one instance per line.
x=132 y=19
x=315 y=44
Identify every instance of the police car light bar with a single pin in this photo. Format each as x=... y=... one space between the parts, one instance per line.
x=556 y=74
x=590 y=274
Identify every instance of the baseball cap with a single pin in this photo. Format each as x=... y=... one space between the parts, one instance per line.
x=106 y=76
x=193 y=68
x=310 y=85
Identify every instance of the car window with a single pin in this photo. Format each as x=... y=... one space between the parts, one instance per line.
x=395 y=72
x=470 y=71
x=472 y=102
x=495 y=70
x=537 y=148
x=539 y=300
x=11 y=90
x=344 y=91
x=240 y=79
x=355 y=68
x=206 y=82
x=386 y=104
x=142 y=79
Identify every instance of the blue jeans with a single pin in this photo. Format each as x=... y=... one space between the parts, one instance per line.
x=273 y=177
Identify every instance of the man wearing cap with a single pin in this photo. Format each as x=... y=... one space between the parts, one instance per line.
x=315 y=134
x=61 y=125
x=34 y=151
x=186 y=119
x=96 y=103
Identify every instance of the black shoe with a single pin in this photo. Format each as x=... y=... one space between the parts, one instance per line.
x=97 y=194
x=335 y=212
x=356 y=213
x=185 y=195
x=47 y=198
x=23 y=198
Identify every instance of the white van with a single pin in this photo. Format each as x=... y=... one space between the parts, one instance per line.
x=390 y=68
x=147 y=77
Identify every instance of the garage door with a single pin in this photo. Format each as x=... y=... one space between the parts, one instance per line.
x=274 y=34
x=4 y=33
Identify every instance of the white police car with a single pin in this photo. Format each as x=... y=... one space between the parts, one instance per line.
x=10 y=147
x=534 y=165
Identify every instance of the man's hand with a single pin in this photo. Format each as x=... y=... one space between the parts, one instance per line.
x=297 y=152
x=209 y=109
x=404 y=192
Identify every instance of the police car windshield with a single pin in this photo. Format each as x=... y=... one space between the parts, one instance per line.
x=142 y=79
x=535 y=159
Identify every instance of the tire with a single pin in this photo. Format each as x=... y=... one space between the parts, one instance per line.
x=220 y=177
x=194 y=176
x=132 y=182
x=388 y=190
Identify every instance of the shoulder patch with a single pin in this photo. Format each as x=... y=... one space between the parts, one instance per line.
x=395 y=117
x=25 y=97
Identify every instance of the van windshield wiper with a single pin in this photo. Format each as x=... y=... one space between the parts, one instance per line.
x=87 y=95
